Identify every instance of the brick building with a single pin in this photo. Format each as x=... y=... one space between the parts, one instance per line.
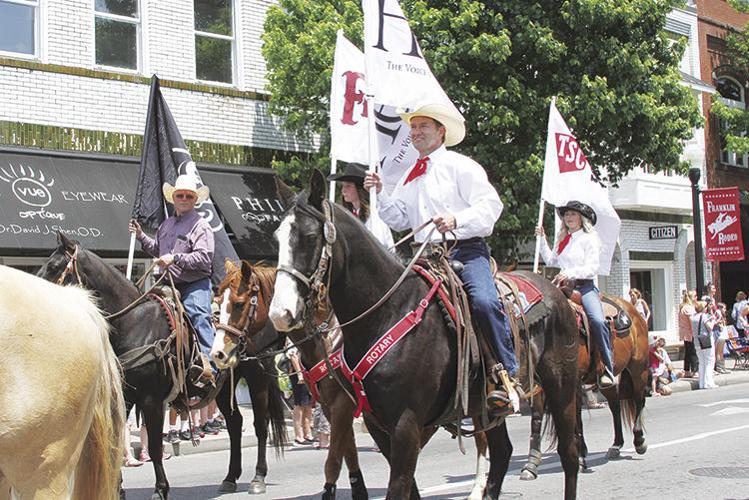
x=724 y=168
x=74 y=84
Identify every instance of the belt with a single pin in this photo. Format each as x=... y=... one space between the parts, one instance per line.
x=579 y=283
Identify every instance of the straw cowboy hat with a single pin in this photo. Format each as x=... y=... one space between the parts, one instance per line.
x=455 y=128
x=579 y=207
x=185 y=183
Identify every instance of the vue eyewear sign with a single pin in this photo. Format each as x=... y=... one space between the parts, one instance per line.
x=723 y=239
x=663 y=233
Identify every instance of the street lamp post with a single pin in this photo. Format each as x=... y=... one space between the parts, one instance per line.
x=694 y=177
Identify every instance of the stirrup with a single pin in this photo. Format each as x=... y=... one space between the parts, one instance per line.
x=511 y=387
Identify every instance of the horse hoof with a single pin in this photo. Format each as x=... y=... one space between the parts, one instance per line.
x=157 y=495
x=641 y=448
x=257 y=487
x=228 y=487
x=613 y=453
x=359 y=493
x=583 y=465
x=528 y=475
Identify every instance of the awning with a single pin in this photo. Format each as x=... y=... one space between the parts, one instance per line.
x=88 y=200
x=248 y=202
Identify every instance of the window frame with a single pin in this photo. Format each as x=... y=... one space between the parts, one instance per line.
x=137 y=21
x=234 y=47
x=730 y=156
x=37 y=55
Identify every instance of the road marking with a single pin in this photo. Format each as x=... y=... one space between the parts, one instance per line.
x=591 y=457
x=727 y=401
x=731 y=410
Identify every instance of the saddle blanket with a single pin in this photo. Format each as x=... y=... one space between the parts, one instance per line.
x=528 y=294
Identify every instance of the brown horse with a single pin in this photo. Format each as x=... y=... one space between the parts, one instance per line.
x=247 y=316
x=626 y=399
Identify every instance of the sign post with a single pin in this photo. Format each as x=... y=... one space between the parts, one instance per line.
x=723 y=238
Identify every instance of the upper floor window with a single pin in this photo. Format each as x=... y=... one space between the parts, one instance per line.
x=117 y=33
x=19 y=27
x=732 y=95
x=214 y=40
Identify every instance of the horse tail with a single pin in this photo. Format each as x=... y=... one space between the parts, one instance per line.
x=279 y=437
x=628 y=413
x=549 y=430
x=97 y=474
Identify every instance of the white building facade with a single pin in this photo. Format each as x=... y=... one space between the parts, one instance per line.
x=75 y=77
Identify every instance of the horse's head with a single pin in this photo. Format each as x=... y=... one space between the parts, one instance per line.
x=61 y=266
x=305 y=238
x=245 y=294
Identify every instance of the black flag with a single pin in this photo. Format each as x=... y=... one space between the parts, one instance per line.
x=164 y=157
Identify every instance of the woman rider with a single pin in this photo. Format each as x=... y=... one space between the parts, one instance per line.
x=356 y=200
x=577 y=257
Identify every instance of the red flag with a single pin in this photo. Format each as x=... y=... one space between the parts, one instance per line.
x=723 y=240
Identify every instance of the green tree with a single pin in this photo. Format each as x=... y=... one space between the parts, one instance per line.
x=610 y=63
x=735 y=121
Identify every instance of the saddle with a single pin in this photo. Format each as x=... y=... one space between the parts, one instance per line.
x=619 y=320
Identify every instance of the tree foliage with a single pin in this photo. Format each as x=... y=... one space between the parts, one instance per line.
x=610 y=63
x=735 y=121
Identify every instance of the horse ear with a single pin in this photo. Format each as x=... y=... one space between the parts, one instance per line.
x=318 y=189
x=64 y=242
x=246 y=270
x=285 y=193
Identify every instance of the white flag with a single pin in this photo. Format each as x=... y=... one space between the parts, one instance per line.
x=348 y=119
x=399 y=76
x=568 y=176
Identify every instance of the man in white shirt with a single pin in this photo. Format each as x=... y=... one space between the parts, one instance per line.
x=453 y=192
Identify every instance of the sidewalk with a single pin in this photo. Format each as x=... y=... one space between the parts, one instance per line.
x=221 y=441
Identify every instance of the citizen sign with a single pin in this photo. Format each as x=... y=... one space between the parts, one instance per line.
x=663 y=233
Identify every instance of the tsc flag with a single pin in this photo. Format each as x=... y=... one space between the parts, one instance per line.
x=568 y=176
x=349 y=113
x=398 y=74
x=164 y=157
x=723 y=239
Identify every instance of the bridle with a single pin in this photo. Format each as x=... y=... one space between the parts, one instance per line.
x=71 y=266
x=241 y=332
x=317 y=284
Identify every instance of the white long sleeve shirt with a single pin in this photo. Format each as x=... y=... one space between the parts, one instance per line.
x=580 y=258
x=380 y=230
x=453 y=184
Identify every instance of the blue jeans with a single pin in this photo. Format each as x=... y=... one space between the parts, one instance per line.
x=599 y=328
x=485 y=305
x=196 y=297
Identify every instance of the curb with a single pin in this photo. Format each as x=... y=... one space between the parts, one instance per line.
x=739 y=376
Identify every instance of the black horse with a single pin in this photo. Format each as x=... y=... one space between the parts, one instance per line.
x=413 y=384
x=148 y=385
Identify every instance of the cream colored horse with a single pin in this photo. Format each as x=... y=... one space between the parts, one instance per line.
x=61 y=405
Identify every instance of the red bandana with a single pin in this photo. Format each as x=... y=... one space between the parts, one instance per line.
x=419 y=169
x=563 y=244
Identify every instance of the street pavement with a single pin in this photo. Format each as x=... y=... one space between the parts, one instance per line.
x=697 y=449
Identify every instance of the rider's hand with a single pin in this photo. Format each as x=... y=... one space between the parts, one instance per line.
x=559 y=278
x=165 y=260
x=134 y=227
x=540 y=231
x=445 y=223
x=373 y=179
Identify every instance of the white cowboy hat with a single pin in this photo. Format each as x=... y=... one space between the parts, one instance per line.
x=185 y=183
x=455 y=128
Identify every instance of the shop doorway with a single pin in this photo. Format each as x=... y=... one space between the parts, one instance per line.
x=643 y=281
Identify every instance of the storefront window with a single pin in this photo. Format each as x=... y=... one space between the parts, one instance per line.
x=732 y=95
x=117 y=28
x=214 y=40
x=19 y=21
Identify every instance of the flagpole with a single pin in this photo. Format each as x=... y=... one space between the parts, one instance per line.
x=331 y=190
x=538 y=238
x=131 y=253
x=372 y=153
